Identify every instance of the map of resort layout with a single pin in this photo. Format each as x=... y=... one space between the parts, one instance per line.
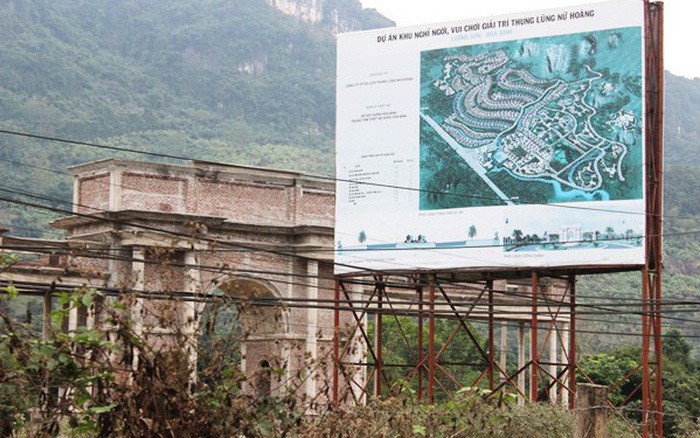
x=545 y=120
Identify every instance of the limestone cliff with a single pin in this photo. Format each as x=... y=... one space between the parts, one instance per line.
x=334 y=15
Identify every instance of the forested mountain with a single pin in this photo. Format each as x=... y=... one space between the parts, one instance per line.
x=238 y=81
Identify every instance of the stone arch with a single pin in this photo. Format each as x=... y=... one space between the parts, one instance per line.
x=262 y=324
x=261 y=319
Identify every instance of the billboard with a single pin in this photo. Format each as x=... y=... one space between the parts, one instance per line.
x=507 y=142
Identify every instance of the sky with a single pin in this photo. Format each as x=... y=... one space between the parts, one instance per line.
x=681 y=25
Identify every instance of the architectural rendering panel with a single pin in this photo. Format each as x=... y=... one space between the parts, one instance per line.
x=507 y=142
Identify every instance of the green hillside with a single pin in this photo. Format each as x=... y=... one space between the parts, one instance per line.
x=236 y=81
x=225 y=80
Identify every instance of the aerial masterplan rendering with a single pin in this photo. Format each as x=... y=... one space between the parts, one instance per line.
x=542 y=120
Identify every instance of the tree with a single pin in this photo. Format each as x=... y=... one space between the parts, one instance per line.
x=472 y=231
x=362 y=237
x=677 y=349
x=400 y=342
x=517 y=235
x=609 y=232
x=608 y=368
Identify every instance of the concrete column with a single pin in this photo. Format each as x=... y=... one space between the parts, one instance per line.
x=115 y=190
x=192 y=310
x=360 y=350
x=287 y=347
x=503 y=355
x=591 y=411
x=46 y=313
x=312 y=327
x=553 y=368
x=521 y=361
x=73 y=319
x=76 y=194
x=138 y=269
x=564 y=355
x=246 y=387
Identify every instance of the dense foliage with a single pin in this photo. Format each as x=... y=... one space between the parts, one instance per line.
x=681 y=384
x=84 y=382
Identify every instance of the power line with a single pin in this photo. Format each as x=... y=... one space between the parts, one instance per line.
x=93 y=145
x=283 y=302
x=151 y=228
x=17 y=191
x=218 y=269
x=237 y=270
x=328 y=178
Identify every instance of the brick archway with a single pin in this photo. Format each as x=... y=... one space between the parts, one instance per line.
x=183 y=232
x=264 y=325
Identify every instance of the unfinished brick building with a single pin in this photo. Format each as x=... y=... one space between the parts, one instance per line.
x=211 y=229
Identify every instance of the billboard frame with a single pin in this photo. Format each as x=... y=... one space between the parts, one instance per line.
x=651 y=293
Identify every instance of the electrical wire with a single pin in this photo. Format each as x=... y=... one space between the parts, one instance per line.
x=282 y=303
x=323 y=177
x=17 y=191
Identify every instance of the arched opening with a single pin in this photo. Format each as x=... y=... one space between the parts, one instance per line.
x=218 y=343
x=239 y=336
x=263 y=381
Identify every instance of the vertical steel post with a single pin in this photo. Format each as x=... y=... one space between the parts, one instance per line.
x=533 y=340
x=489 y=287
x=420 y=342
x=658 y=356
x=378 y=343
x=336 y=340
x=572 y=341
x=521 y=359
x=646 y=386
x=654 y=63
x=431 y=343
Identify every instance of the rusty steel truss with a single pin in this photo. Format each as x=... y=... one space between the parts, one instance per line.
x=433 y=295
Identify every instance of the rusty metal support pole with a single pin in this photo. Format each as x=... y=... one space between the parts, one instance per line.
x=336 y=341
x=420 y=343
x=378 y=344
x=431 y=343
x=646 y=386
x=572 y=341
x=654 y=63
x=489 y=287
x=533 y=340
x=658 y=357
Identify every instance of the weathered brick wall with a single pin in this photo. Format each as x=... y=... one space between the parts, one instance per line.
x=259 y=207
x=236 y=193
x=94 y=193
x=166 y=194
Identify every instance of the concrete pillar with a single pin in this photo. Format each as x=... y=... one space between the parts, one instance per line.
x=192 y=310
x=312 y=327
x=564 y=355
x=591 y=411
x=553 y=368
x=76 y=194
x=359 y=349
x=46 y=313
x=503 y=357
x=138 y=269
x=115 y=190
x=521 y=361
